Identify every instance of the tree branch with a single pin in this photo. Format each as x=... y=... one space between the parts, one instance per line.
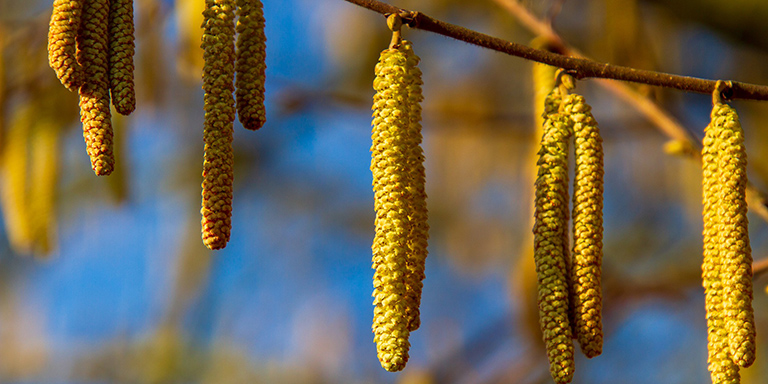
x=580 y=68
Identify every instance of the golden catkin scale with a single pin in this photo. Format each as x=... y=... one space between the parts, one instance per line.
x=391 y=126
x=218 y=76
x=250 y=65
x=551 y=200
x=417 y=212
x=121 y=50
x=587 y=226
x=62 y=42
x=721 y=367
x=734 y=250
x=94 y=92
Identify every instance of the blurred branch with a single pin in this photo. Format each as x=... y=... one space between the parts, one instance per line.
x=580 y=68
x=759 y=267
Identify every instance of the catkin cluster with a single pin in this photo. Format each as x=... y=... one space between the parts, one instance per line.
x=90 y=47
x=726 y=268
x=225 y=55
x=400 y=243
x=570 y=299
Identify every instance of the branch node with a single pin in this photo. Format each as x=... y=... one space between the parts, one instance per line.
x=723 y=92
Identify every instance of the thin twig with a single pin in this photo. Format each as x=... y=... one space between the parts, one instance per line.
x=579 y=68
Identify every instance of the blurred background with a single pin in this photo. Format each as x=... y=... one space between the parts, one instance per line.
x=105 y=279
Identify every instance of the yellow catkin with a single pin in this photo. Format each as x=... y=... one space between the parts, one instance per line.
x=549 y=253
x=417 y=213
x=218 y=82
x=14 y=193
x=62 y=42
x=42 y=189
x=587 y=226
x=734 y=251
x=250 y=66
x=720 y=364
x=121 y=50
x=95 y=113
x=391 y=126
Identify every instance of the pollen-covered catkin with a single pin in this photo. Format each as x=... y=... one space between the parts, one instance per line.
x=391 y=125
x=721 y=366
x=62 y=42
x=92 y=54
x=734 y=250
x=418 y=234
x=121 y=50
x=250 y=65
x=587 y=226
x=551 y=264
x=218 y=82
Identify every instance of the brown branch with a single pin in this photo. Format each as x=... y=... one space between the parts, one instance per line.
x=579 y=67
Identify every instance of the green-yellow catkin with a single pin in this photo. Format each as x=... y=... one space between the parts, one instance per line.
x=250 y=65
x=587 y=226
x=121 y=50
x=549 y=252
x=62 y=42
x=389 y=155
x=734 y=251
x=417 y=212
x=92 y=54
x=720 y=364
x=218 y=82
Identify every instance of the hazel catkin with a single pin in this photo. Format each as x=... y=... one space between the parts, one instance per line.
x=95 y=114
x=551 y=220
x=121 y=50
x=734 y=247
x=218 y=76
x=391 y=126
x=587 y=226
x=62 y=42
x=418 y=233
x=250 y=64
x=720 y=364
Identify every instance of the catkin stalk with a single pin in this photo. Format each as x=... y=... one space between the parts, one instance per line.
x=250 y=65
x=218 y=76
x=121 y=50
x=549 y=252
x=391 y=126
x=587 y=227
x=62 y=42
x=95 y=113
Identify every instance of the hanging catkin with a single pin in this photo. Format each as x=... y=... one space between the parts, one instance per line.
x=418 y=234
x=121 y=49
x=92 y=54
x=587 y=226
x=733 y=237
x=551 y=223
x=250 y=66
x=62 y=42
x=389 y=159
x=218 y=76
x=721 y=366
